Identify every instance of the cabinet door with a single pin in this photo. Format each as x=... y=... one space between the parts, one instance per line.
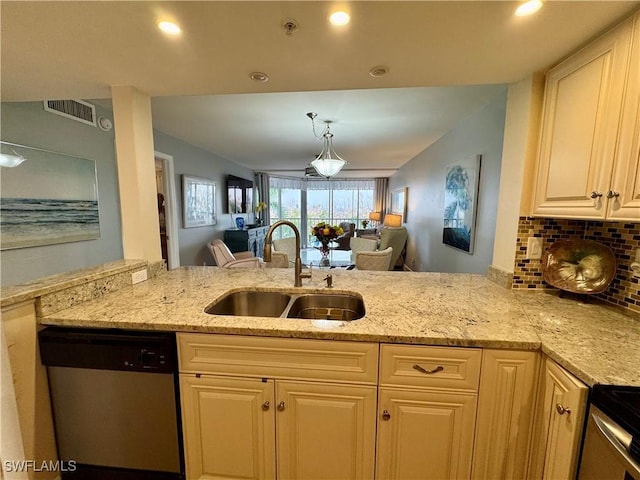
x=505 y=413
x=580 y=124
x=559 y=424
x=626 y=175
x=424 y=434
x=325 y=431
x=228 y=427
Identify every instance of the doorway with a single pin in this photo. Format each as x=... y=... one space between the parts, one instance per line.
x=167 y=210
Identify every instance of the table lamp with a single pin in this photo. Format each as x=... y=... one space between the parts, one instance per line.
x=392 y=220
x=374 y=217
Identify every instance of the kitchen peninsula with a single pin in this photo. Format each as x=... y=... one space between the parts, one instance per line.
x=407 y=314
x=415 y=308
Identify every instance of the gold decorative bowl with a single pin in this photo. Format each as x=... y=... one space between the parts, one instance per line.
x=579 y=266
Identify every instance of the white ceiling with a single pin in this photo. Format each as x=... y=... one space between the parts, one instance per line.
x=446 y=60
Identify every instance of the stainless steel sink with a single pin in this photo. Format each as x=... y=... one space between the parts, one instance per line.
x=250 y=304
x=343 y=307
x=319 y=306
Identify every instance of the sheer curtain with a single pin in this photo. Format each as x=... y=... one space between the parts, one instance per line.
x=380 y=193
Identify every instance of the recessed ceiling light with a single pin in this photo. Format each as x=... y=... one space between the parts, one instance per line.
x=259 y=77
x=379 y=71
x=339 y=18
x=529 y=8
x=169 y=28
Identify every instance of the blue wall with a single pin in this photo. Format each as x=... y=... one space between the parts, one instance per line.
x=28 y=124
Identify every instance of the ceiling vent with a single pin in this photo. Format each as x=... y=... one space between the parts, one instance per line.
x=311 y=172
x=74 y=109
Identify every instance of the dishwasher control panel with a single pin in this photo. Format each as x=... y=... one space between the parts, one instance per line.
x=133 y=351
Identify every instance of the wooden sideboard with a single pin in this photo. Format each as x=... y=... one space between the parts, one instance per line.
x=251 y=239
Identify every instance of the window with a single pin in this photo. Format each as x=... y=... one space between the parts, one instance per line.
x=307 y=202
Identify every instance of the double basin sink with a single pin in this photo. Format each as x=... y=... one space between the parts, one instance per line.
x=343 y=307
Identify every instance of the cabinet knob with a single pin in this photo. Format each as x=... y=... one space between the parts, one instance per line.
x=417 y=367
x=281 y=406
x=595 y=194
x=612 y=194
x=265 y=406
x=561 y=409
x=386 y=415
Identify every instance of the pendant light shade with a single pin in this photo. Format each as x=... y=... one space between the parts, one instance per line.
x=328 y=163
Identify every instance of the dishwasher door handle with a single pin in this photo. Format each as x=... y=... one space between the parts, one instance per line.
x=622 y=445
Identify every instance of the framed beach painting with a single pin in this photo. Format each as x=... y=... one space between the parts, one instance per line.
x=461 y=204
x=46 y=198
x=399 y=202
x=198 y=202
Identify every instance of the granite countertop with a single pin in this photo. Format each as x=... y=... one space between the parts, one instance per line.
x=595 y=343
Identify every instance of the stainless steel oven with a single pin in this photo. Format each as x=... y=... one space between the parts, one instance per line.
x=611 y=449
x=115 y=403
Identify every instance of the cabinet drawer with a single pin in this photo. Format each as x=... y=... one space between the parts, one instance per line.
x=430 y=367
x=278 y=357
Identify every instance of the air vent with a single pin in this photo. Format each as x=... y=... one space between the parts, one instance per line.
x=74 y=109
x=311 y=172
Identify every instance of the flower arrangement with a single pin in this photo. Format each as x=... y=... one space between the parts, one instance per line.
x=260 y=206
x=325 y=232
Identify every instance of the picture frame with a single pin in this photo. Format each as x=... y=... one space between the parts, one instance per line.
x=462 y=181
x=399 y=202
x=198 y=202
x=47 y=198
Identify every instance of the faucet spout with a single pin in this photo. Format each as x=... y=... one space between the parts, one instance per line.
x=298 y=263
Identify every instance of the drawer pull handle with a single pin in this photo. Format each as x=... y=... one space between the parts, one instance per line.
x=417 y=367
x=281 y=406
x=265 y=406
x=561 y=409
x=595 y=194
x=612 y=194
x=386 y=415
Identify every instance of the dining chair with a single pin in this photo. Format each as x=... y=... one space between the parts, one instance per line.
x=378 y=260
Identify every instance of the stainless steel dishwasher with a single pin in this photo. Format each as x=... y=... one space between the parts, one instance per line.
x=611 y=448
x=115 y=402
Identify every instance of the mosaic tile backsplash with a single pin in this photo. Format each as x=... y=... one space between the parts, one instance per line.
x=623 y=239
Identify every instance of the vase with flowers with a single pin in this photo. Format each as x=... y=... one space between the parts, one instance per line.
x=325 y=233
x=259 y=208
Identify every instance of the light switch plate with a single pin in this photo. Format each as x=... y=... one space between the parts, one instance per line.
x=139 y=276
x=534 y=248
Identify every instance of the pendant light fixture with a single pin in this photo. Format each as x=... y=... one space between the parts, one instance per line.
x=328 y=163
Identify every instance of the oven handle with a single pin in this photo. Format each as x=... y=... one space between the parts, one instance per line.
x=608 y=432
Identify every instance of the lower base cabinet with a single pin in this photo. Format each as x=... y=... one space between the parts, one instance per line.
x=237 y=428
x=265 y=408
x=425 y=434
x=228 y=427
x=559 y=423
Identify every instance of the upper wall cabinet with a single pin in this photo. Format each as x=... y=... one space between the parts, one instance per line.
x=589 y=154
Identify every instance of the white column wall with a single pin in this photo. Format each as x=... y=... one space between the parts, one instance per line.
x=136 y=174
x=524 y=102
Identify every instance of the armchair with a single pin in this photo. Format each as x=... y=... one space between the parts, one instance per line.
x=377 y=260
x=395 y=237
x=349 y=229
x=359 y=244
x=225 y=259
x=285 y=246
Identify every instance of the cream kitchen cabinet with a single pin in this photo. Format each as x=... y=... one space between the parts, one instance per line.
x=588 y=159
x=559 y=422
x=259 y=408
x=426 y=412
x=505 y=413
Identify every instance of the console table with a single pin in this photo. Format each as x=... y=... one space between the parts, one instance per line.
x=251 y=239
